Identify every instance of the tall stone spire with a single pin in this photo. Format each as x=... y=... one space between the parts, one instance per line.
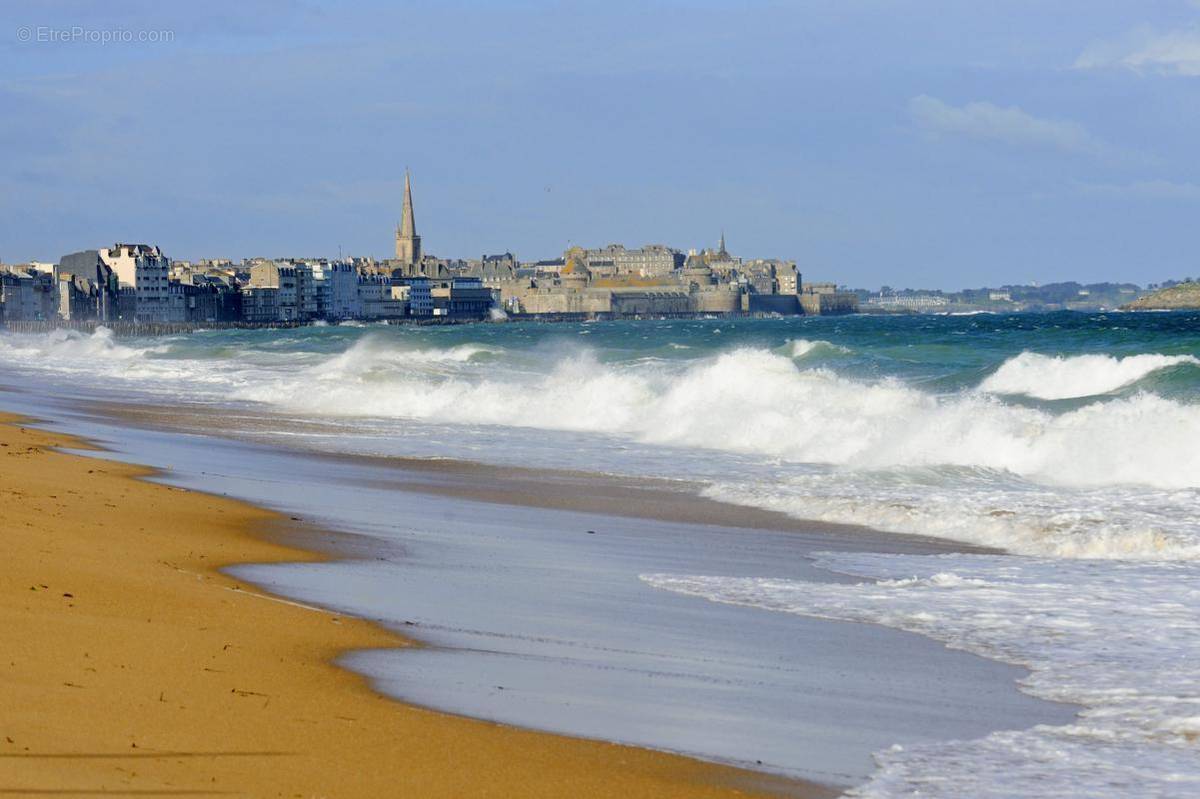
x=721 y=248
x=408 y=243
x=408 y=225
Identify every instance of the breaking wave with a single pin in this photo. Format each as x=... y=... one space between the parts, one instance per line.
x=1107 y=477
x=745 y=400
x=70 y=346
x=1115 y=478
x=1056 y=377
x=751 y=401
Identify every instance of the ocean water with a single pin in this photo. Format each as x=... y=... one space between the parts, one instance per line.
x=1070 y=441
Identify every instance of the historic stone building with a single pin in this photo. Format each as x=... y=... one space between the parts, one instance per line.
x=143 y=273
x=408 y=243
x=89 y=267
x=653 y=260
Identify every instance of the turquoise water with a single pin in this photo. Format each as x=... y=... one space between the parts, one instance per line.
x=935 y=353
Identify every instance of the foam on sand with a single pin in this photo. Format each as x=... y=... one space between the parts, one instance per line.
x=1120 y=639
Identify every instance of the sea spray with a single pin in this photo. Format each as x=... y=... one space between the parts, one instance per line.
x=743 y=400
x=756 y=402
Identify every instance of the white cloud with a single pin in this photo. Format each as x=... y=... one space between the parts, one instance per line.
x=1145 y=190
x=1145 y=50
x=985 y=121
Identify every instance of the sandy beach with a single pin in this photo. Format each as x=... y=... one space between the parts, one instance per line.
x=134 y=666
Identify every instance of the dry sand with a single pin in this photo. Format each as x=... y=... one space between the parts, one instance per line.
x=131 y=666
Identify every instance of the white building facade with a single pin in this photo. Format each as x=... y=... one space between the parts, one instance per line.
x=340 y=290
x=143 y=270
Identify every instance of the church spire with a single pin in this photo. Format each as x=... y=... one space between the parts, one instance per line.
x=408 y=243
x=408 y=225
x=721 y=248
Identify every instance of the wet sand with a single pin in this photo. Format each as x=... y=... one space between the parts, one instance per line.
x=553 y=489
x=133 y=665
x=528 y=620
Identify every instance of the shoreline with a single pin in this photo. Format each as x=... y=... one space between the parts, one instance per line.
x=141 y=709
x=818 y=723
x=631 y=496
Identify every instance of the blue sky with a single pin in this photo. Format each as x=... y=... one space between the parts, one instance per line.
x=940 y=144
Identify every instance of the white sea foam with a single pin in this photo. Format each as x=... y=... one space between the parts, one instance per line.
x=70 y=346
x=1057 y=377
x=1120 y=639
x=987 y=509
x=747 y=401
x=1116 y=477
x=97 y=354
x=756 y=402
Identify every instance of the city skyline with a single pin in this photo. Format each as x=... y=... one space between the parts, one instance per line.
x=935 y=146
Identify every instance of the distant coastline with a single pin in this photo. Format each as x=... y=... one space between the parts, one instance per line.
x=1184 y=296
